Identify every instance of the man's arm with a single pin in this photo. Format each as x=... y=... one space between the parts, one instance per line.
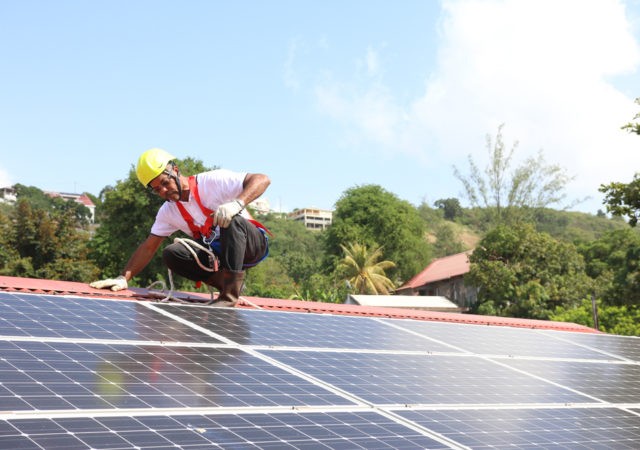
x=138 y=261
x=142 y=256
x=253 y=187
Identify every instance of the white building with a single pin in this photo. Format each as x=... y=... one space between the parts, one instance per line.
x=312 y=218
x=261 y=205
x=8 y=195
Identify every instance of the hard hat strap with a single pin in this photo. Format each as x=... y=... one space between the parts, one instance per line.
x=175 y=174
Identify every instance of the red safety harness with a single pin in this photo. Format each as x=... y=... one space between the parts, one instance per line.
x=206 y=229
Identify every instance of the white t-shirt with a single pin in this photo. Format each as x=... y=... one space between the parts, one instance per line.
x=215 y=188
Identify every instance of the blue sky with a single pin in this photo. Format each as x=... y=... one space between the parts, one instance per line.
x=321 y=96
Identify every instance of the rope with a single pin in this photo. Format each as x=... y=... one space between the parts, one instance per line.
x=189 y=244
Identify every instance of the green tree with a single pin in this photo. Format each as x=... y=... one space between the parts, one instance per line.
x=45 y=202
x=127 y=213
x=363 y=270
x=269 y=279
x=322 y=288
x=446 y=241
x=45 y=241
x=294 y=268
x=523 y=273
x=372 y=216
x=623 y=199
x=634 y=127
x=450 y=206
x=299 y=250
x=613 y=262
x=510 y=196
x=622 y=320
x=8 y=250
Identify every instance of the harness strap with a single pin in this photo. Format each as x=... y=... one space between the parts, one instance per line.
x=205 y=230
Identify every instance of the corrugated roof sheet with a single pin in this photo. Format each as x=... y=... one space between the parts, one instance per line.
x=440 y=269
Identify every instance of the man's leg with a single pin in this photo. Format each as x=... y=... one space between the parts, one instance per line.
x=180 y=260
x=241 y=243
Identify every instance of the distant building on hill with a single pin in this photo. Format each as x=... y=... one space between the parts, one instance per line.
x=444 y=277
x=8 y=195
x=260 y=205
x=83 y=199
x=312 y=218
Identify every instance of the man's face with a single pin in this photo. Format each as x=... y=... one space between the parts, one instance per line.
x=165 y=187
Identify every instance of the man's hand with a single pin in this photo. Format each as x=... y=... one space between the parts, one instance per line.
x=116 y=284
x=226 y=212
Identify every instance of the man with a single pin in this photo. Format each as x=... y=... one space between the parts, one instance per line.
x=209 y=207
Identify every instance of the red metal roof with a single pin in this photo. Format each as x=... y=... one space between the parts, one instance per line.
x=51 y=287
x=440 y=269
x=85 y=200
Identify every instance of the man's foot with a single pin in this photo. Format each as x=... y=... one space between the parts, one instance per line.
x=222 y=302
x=233 y=284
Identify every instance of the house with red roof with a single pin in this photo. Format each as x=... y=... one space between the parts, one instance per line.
x=83 y=199
x=443 y=277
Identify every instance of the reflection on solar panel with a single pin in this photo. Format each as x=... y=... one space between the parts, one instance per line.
x=567 y=428
x=76 y=318
x=306 y=330
x=86 y=373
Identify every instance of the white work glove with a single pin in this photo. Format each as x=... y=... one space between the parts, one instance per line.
x=116 y=284
x=226 y=212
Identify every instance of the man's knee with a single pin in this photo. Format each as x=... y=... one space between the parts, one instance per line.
x=172 y=255
x=237 y=227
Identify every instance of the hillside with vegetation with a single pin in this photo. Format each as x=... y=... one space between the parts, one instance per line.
x=467 y=229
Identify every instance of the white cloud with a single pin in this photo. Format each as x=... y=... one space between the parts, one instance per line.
x=369 y=115
x=543 y=67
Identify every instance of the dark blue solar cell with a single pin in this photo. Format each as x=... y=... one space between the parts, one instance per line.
x=609 y=346
x=305 y=330
x=384 y=379
x=557 y=428
x=613 y=382
x=507 y=341
x=49 y=316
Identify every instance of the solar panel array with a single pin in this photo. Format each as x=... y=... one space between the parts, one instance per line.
x=78 y=373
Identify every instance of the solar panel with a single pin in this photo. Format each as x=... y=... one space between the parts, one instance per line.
x=560 y=428
x=272 y=328
x=88 y=373
x=383 y=378
x=613 y=382
x=624 y=347
x=503 y=341
x=77 y=318
x=52 y=376
x=316 y=430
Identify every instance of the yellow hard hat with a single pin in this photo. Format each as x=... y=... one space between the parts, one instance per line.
x=151 y=164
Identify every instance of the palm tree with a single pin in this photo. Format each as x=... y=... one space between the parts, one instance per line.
x=363 y=271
